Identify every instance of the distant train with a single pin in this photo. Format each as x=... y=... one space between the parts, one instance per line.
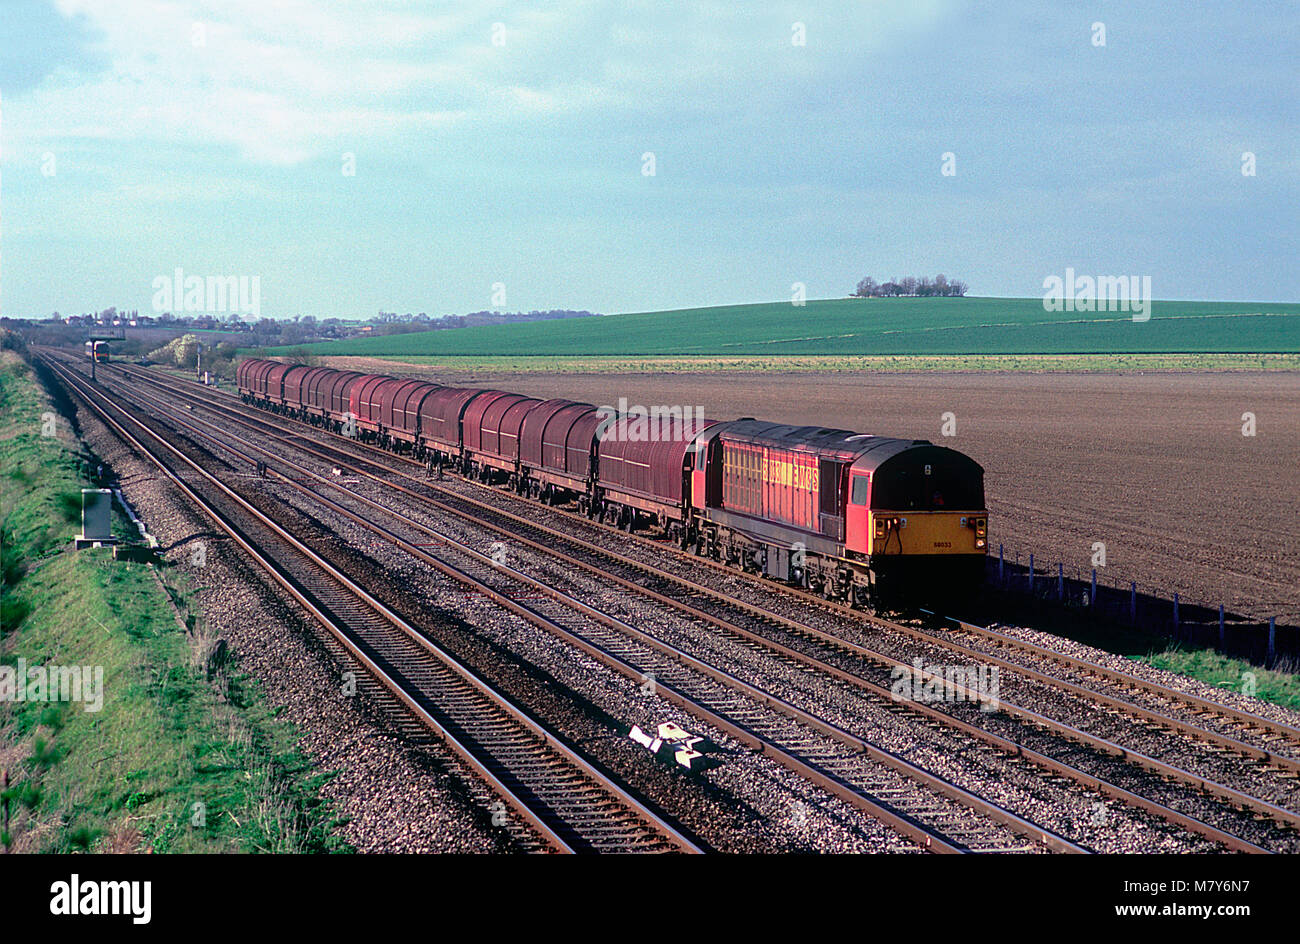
x=852 y=516
x=97 y=350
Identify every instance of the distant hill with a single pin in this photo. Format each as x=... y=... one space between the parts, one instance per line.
x=867 y=326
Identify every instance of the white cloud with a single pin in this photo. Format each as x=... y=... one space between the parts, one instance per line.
x=283 y=81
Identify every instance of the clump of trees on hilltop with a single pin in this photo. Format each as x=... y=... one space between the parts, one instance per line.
x=924 y=287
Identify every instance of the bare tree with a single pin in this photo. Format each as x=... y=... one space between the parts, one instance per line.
x=923 y=287
x=867 y=288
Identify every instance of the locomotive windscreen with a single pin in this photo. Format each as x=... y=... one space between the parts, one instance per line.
x=928 y=478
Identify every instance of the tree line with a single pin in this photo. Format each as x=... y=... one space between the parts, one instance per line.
x=924 y=287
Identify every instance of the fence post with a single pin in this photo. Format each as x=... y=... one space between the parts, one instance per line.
x=1001 y=573
x=1272 y=638
x=1060 y=580
x=1176 y=620
x=1031 y=573
x=1092 y=597
x=1220 y=625
x=1133 y=602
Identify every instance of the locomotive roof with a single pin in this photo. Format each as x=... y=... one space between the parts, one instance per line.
x=842 y=443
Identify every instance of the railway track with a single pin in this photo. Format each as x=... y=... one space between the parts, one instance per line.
x=642 y=570
x=925 y=808
x=1285 y=737
x=562 y=802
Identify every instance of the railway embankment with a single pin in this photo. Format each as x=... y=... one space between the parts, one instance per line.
x=124 y=724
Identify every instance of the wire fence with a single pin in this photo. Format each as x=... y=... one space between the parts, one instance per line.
x=1273 y=641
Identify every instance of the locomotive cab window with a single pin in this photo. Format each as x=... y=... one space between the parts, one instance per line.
x=861 y=485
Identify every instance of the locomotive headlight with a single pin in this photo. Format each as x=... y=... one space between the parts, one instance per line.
x=979 y=544
x=880 y=527
x=981 y=529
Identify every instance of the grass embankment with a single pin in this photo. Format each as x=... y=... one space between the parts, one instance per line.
x=181 y=755
x=1214 y=668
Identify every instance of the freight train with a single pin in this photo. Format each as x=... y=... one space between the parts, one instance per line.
x=856 y=517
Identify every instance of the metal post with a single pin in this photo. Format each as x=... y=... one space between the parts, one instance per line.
x=1031 y=573
x=1060 y=580
x=1220 y=625
x=1272 y=638
x=1092 y=599
x=1133 y=602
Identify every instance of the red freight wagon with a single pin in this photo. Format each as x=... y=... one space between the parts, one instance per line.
x=241 y=372
x=390 y=396
x=648 y=474
x=364 y=403
x=314 y=389
x=472 y=420
x=246 y=373
x=512 y=421
x=275 y=383
x=440 y=418
x=373 y=406
x=581 y=443
x=533 y=433
x=257 y=378
x=494 y=450
x=338 y=394
x=542 y=453
x=293 y=379
x=406 y=410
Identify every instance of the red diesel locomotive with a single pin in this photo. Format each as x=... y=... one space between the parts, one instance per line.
x=850 y=515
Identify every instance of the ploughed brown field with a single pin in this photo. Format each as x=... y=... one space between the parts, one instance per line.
x=1153 y=465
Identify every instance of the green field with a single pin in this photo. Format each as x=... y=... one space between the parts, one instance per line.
x=863 y=327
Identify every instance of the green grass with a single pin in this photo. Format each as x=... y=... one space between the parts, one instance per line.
x=1214 y=668
x=864 y=327
x=1280 y=686
x=183 y=756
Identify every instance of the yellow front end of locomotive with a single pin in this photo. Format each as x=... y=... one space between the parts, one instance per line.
x=928 y=532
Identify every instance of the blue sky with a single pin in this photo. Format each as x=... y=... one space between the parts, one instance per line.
x=211 y=136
